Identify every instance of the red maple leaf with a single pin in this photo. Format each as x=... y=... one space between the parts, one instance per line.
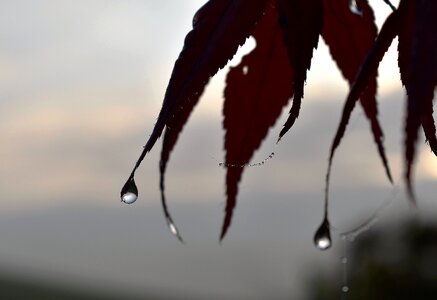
x=286 y=33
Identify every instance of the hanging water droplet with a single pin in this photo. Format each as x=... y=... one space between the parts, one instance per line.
x=173 y=229
x=345 y=289
x=322 y=238
x=129 y=192
x=355 y=7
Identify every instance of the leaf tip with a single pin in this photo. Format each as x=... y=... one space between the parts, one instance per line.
x=224 y=231
x=411 y=194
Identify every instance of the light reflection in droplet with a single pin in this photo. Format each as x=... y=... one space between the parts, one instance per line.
x=323 y=243
x=129 y=198
x=173 y=229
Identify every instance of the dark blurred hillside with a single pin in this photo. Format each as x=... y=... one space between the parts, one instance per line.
x=16 y=288
x=397 y=262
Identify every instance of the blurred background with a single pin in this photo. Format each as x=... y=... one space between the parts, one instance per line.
x=81 y=85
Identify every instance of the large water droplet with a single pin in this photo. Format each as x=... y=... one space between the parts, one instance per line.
x=129 y=192
x=355 y=7
x=322 y=238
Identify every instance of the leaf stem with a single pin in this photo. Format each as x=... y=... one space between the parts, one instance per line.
x=390 y=4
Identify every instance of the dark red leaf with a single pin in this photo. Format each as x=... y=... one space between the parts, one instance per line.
x=418 y=66
x=368 y=70
x=256 y=92
x=219 y=27
x=406 y=31
x=429 y=129
x=350 y=36
x=301 y=23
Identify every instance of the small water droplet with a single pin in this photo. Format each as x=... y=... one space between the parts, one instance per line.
x=173 y=229
x=355 y=7
x=322 y=238
x=129 y=192
x=245 y=70
x=345 y=289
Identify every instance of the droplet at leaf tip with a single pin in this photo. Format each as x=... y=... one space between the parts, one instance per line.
x=174 y=230
x=129 y=192
x=322 y=237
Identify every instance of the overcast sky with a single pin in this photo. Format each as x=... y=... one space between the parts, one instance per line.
x=81 y=84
